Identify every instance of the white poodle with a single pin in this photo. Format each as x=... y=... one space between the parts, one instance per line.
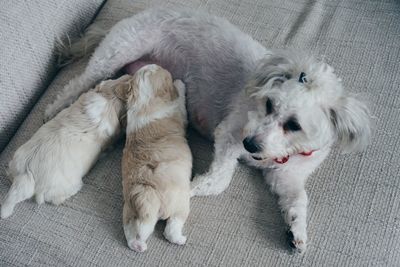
x=281 y=111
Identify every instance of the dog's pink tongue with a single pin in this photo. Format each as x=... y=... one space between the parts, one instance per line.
x=282 y=160
x=133 y=67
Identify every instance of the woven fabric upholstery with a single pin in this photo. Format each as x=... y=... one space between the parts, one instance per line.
x=28 y=31
x=354 y=204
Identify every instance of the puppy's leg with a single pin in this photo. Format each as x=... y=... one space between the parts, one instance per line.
x=174 y=227
x=173 y=230
x=127 y=41
x=140 y=216
x=226 y=151
x=137 y=232
x=180 y=86
x=293 y=203
x=23 y=187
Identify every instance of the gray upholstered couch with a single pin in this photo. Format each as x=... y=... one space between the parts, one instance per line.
x=354 y=210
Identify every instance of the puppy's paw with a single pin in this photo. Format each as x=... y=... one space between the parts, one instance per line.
x=49 y=112
x=180 y=86
x=176 y=239
x=52 y=110
x=39 y=198
x=58 y=200
x=137 y=245
x=6 y=211
x=297 y=241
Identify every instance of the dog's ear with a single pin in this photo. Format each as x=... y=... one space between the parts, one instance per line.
x=270 y=72
x=352 y=123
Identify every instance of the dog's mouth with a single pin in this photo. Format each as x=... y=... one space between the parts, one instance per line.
x=258 y=158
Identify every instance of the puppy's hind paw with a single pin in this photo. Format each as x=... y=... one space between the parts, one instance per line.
x=49 y=113
x=6 y=211
x=52 y=110
x=296 y=243
x=178 y=240
x=137 y=245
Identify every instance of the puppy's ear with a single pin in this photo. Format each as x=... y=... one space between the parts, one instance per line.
x=123 y=89
x=270 y=72
x=352 y=123
x=165 y=87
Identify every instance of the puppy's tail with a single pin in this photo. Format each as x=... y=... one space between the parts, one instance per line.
x=145 y=200
x=23 y=187
x=69 y=51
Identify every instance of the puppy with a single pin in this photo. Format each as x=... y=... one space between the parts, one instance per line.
x=52 y=163
x=281 y=110
x=157 y=161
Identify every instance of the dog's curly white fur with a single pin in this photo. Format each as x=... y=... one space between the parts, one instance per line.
x=278 y=103
x=52 y=163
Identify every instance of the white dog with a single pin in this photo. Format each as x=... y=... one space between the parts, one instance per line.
x=52 y=163
x=157 y=162
x=282 y=111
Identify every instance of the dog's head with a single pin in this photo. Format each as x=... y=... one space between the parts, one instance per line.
x=150 y=86
x=300 y=106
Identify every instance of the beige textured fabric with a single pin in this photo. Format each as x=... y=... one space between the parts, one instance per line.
x=354 y=199
x=28 y=31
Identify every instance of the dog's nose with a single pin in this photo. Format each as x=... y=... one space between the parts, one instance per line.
x=251 y=145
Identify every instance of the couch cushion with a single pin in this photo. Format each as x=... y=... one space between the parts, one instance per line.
x=28 y=31
x=354 y=199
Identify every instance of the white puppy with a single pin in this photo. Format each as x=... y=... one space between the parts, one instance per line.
x=282 y=111
x=52 y=163
x=157 y=162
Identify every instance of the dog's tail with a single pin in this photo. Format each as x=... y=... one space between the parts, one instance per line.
x=69 y=51
x=23 y=187
x=145 y=200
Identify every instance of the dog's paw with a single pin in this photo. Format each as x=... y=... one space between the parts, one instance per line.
x=297 y=241
x=201 y=186
x=208 y=184
x=137 y=245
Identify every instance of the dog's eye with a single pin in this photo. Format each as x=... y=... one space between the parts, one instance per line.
x=291 y=125
x=302 y=78
x=269 y=106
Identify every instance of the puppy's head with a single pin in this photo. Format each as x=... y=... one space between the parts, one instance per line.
x=300 y=106
x=150 y=85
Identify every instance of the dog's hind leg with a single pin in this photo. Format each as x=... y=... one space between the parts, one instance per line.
x=127 y=41
x=23 y=187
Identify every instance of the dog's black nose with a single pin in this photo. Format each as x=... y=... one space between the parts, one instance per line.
x=251 y=145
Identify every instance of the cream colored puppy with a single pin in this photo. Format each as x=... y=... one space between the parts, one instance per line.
x=52 y=163
x=157 y=161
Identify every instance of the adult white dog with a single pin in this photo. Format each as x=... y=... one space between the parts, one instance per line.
x=280 y=111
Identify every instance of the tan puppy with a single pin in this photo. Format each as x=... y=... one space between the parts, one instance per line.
x=157 y=161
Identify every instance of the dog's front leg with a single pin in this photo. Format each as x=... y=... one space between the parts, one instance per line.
x=227 y=149
x=293 y=202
